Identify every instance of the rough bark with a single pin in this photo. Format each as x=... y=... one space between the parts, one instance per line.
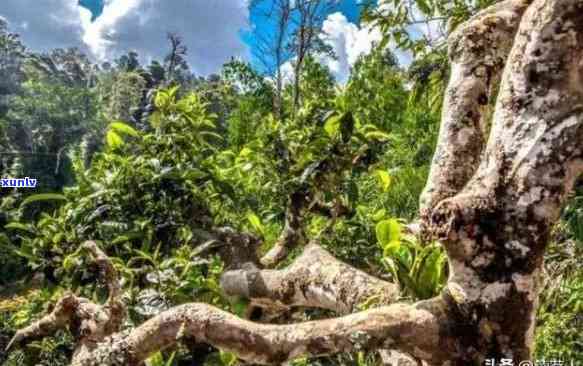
x=292 y=233
x=477 y=51
x=90 y=323
x=315 y=279
x=415 y=328
x=496 y=228
x=492 y=208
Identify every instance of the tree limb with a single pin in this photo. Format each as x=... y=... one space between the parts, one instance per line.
x=58 y=319
x=478 y=50
x=315 y=279
x=417 y=329
x=496 y=229
x=114 y=306
x=108 y=273
x=292 y=232
x=90 y=323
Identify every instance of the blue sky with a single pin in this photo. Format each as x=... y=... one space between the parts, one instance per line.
x=95 y=6
x=213 y=30
x=349 y=8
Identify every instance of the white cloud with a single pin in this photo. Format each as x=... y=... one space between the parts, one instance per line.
x=287 y=72
x=209 y=28
x=349 y=42
x=46 y=24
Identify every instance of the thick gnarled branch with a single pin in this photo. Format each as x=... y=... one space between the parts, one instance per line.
x=114 y=306
x=58 y=319
x=497 y=227
x=418 y=329
x=478 y=50
x=314 y=279
x=90 y=323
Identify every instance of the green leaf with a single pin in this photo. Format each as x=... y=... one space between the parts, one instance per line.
x=120 y=239
x=211 y=134
x=58 y=237
x=424 y=6
x=71 y=261
x=228 y=358
x=19 y=226
x=255 y=222
x=391 y=249
x=388 y=232
x=155 y=360
x=240 y=307
x=384 y=178
x=43 y=197
x=377 y=135
x=4 y=240
x=161 y=99
x=170 y=360
x=332 y=125
x=123 y=128
x=245 y=152
x=113 y=140
x=379 y=215
x=429 y=272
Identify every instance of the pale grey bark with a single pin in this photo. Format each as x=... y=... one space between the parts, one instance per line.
x=496 y=228
x=415 y=328
x=477 y=50
x=315 y=279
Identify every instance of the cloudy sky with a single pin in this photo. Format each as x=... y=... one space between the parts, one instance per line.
x=213 y=30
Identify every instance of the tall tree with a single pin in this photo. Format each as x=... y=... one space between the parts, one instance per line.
x=307 y=27
x=175 y=61
x=271 y=48
x=291 y=35
x=128 y=62
x=12 y=58
x=56 y=107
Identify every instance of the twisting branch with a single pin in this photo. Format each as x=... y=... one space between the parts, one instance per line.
x=495 y=230
x=315 y=279
x=114 y=306
x=415 y=328
x=90 y=323
x=477 y=50
x=108 y=273
x=58 y=319
x=292 y=233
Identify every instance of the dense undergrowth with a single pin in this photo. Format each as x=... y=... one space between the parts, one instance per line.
x=150 y=166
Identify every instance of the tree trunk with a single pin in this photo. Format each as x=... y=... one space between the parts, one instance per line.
x=496 y=228
x=493 y=195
